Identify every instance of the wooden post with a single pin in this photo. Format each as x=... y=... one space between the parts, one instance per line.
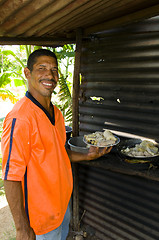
x=76 y=84
x=75 y=126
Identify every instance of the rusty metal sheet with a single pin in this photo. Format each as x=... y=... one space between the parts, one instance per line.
x=118 y=206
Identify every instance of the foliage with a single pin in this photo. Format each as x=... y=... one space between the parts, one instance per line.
x=65 y=103
x=10 y=72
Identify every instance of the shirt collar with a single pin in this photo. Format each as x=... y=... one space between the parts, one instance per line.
x=52 y=119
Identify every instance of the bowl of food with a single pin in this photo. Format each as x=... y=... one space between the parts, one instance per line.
x=101 y=139
x=137 y=149
x=77 y=145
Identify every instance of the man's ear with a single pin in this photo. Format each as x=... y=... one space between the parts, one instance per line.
x=27 y=72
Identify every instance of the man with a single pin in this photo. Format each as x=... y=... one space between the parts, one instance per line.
x=36 y=166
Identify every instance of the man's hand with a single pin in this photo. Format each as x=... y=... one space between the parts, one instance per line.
x=96 y=152
x=93 y=153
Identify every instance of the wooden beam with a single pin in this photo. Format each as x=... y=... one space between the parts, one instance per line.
x=76 y=84
x=36 y=41
x=75 y=198
x=75 y=126
x=125 y=20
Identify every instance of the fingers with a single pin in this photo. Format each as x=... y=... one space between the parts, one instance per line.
x=96 y=152
x=105 y=150
x=109 y=149
x=94 y=149
x=99 y=151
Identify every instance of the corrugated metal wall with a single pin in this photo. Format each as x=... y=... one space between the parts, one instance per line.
x=118 y=207
x=120 y=91
x=120 y=81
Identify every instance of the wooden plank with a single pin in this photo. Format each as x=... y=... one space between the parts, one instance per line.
x=39 y=18
x=119 y=22
x=77 y=17
x=42 y=20
x=8 y=7
x=44 y=26
x=89 y=15
x=27 y=12
x=61 y=24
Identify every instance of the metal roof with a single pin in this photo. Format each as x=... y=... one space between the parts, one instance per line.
x=54 y=22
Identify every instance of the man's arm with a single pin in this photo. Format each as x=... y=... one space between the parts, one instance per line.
x=14 y=195
x=94 y=153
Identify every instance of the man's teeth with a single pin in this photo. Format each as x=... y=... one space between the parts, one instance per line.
x=48 y=84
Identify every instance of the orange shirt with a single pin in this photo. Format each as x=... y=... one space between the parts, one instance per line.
x=33 y=150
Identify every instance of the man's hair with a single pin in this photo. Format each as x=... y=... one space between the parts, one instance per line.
x=38 y=53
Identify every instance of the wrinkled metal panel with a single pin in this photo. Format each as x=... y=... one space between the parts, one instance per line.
x=120 y=81
x=117 y=206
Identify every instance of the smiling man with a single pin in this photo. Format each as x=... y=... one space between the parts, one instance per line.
x=36 y=166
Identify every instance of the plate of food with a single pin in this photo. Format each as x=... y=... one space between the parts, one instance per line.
x=101 y=139
x=139 y=149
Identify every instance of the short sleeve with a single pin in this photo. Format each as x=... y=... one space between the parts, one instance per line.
x=15 y=145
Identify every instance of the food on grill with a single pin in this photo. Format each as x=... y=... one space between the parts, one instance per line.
x=144 y=149
x=100 y=139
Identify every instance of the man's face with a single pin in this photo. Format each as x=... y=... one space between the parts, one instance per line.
x=44 y=76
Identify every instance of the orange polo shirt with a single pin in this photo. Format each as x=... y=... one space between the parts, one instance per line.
x=33 y=150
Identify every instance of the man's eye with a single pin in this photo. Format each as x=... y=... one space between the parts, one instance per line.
x=41 y=68
x=55 y=72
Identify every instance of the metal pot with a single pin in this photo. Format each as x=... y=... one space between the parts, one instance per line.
x=68 y=132
x=77 y=145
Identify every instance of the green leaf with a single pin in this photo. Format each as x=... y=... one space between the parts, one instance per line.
x=5 y=79
x=18 y=82
x=9 y=52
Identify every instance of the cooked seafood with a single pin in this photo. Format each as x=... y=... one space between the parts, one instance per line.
x=100 y=139
x=144 y=149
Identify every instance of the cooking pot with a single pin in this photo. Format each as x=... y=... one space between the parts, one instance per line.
x=68 y=132
x=77 y=145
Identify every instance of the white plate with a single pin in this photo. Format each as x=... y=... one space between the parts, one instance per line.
x=109 y=145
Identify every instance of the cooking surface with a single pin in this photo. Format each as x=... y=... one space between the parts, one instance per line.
x=114 y=162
